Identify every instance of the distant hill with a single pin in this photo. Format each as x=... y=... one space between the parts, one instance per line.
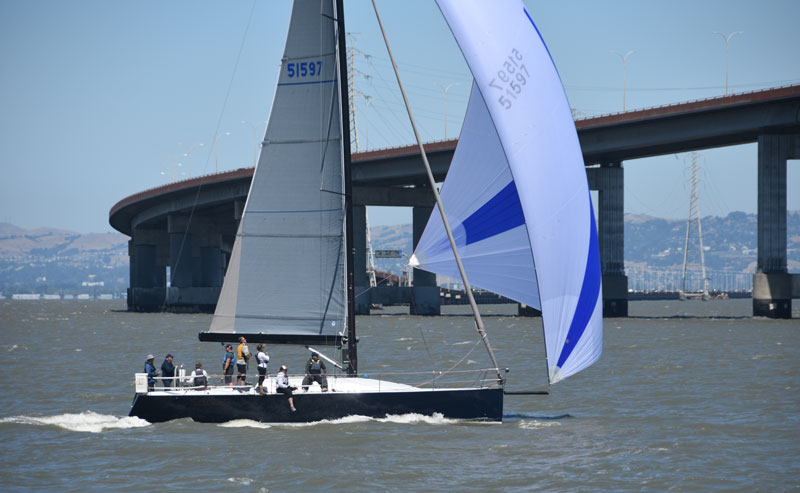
x=50 y=260
x=730 y=242
x=57 y=261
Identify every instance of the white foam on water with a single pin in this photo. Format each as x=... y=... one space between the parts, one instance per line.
x=535 y=425
x=764 y=356
x=412 y=418
x=244 y=423
x=87 y=421
x=242 y=481
x=345 y=420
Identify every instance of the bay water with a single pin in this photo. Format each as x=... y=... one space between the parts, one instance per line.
x=688 y=396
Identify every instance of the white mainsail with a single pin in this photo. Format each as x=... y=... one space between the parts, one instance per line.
x=516 y=193
x=287 y=271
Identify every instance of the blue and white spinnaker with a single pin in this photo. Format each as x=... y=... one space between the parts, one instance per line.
x=516 y=194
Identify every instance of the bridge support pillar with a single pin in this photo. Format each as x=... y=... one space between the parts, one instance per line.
x=180 y=251
x=425 y=294
x=360 y=260
x=772 y=284
x=148 y=257
x=609 y=181
x=207 y=254
x=527 y=311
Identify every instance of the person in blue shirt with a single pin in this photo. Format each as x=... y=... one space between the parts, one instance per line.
x=167 y=371
x=152 y=374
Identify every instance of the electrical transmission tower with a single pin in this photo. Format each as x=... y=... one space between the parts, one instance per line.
x=370 y=255
x=694 y=216
x=352 y=73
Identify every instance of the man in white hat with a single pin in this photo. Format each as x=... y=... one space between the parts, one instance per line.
x=150 y=369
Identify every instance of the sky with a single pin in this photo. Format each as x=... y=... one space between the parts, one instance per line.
x=101 y=99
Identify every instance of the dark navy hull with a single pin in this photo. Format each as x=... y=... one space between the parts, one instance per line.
x=473 y=404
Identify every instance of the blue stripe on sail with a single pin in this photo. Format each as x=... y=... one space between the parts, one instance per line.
x=541 y=38
x=588 y=297
x=306 y=83
x=500 y=214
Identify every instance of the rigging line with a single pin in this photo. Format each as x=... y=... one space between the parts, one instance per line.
x=333 y=283
x=371 y=287
x=389 y=123
x=334 y=93
x=208 y=156
x=332 y=108
x=427 y=350
x=415 y=68
x=392 y=94
x=455 y=365
x=478 y=321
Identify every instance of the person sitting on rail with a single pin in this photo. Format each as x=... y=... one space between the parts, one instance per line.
x=282 y=386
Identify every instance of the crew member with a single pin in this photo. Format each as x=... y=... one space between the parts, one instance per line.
x=152 y=374
x=167 y=371
x=315 y=372
x=199 y=377
x=227 y=365
x=263 y=360
x=242 y=357
x=282 y=386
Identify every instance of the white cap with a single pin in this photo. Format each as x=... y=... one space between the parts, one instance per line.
x=150 y=356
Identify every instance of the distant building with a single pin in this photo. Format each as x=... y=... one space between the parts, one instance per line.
x=26 y=296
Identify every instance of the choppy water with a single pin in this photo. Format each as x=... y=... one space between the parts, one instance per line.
x=678 y=401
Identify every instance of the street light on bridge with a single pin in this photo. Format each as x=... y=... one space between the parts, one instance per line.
x=445 y=103
x=727 y=40
x=216 y=147
x=367 y=101
x=624 y=62
x=254 y=126
x=188 y=154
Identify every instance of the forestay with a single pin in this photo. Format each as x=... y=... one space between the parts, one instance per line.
x=516 y=193
x=286 y=277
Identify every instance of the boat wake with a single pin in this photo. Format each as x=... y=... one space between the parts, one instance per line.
x=536 y=424
x=536 y=417
x=87 y=421
x=245 y=423
x=435 y=419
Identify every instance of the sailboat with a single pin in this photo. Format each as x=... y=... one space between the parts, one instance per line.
x=516 y=194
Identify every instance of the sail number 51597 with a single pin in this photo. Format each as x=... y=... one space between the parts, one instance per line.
x=511 y=79
x=304 y=69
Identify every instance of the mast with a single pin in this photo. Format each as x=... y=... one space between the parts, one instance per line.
x=351 y=353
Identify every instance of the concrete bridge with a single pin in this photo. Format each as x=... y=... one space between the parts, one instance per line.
x=188 y=227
